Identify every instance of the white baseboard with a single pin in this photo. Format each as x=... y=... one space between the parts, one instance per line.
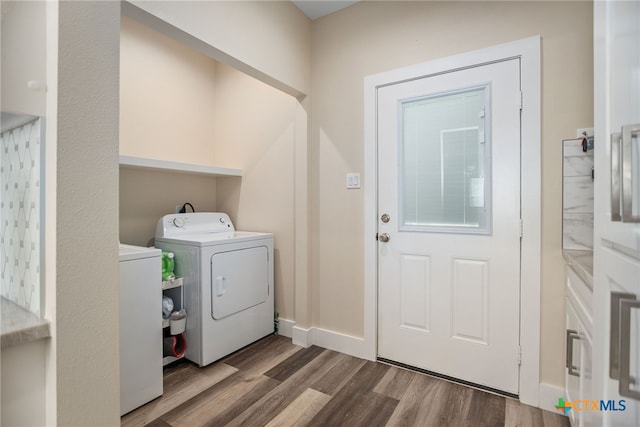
x=285 y=327
x=549 y=395
x=302 y=337
x=347 y=344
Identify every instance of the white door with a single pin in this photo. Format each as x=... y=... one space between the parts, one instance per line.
x=449 y=224
x=616 y=354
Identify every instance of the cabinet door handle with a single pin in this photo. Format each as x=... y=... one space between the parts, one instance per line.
x=628 y=134
x=615 y=177
x=615 y=335
x=571 y=336
x=624 y=385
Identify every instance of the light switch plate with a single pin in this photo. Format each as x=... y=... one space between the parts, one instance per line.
x=353 y=180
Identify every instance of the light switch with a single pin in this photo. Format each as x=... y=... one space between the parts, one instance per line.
x=353 y=180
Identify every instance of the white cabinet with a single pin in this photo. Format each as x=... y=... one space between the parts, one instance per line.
x=578 y=372
x=140 y=335
x=616 y=334
x=572 y=365
x=618 y=365
x=174 y=290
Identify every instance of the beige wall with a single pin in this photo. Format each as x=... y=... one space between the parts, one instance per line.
x=268 y=40
x=147 y=195
x=372 y=37
x=23 y=57
x=167 y=98
x=256 y=133
x=87 y=281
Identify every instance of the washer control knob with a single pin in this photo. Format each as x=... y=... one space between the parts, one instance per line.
x=222 y=220
x=178 y=222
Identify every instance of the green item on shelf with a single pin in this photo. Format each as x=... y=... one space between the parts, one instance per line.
x=167 y=266
x=276 y=322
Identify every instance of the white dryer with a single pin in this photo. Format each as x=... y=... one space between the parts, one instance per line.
x=228 y=282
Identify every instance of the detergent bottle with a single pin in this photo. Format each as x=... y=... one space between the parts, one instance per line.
x=167 y=266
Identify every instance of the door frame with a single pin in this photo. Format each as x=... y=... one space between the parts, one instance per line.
x=528 y=51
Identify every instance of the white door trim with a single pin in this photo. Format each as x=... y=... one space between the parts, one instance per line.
x=528 y=50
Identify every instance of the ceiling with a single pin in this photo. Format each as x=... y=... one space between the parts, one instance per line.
x=318 y=8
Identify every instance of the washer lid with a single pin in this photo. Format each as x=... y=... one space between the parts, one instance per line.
x=209 y=239
x=129 y=252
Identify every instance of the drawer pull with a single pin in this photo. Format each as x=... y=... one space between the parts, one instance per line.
x=626 y=380
x=628 y=133
x=571 y=336
x=614 y=339
x=615 y=176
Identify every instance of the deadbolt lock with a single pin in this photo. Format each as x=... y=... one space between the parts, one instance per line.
x=385 y=218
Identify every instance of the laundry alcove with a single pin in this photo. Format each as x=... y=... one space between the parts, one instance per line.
x=193 y=129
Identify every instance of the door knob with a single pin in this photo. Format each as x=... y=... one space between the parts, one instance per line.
x=384 y=237
x=385 y=218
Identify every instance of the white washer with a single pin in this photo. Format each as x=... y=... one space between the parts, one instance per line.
x=140 y=326
x=228 y=282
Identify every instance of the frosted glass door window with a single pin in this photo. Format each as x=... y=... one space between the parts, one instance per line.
x=445 y=174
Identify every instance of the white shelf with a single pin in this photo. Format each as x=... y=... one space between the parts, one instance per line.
x=170 y=284
x=169 y=359
x=191 y=168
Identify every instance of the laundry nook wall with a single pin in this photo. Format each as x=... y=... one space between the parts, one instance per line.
x=179 y=105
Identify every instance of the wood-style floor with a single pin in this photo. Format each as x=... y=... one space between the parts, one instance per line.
x=275 y=383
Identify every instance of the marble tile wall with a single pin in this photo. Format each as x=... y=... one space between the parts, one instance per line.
x=577 y=196
x=20 y=195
